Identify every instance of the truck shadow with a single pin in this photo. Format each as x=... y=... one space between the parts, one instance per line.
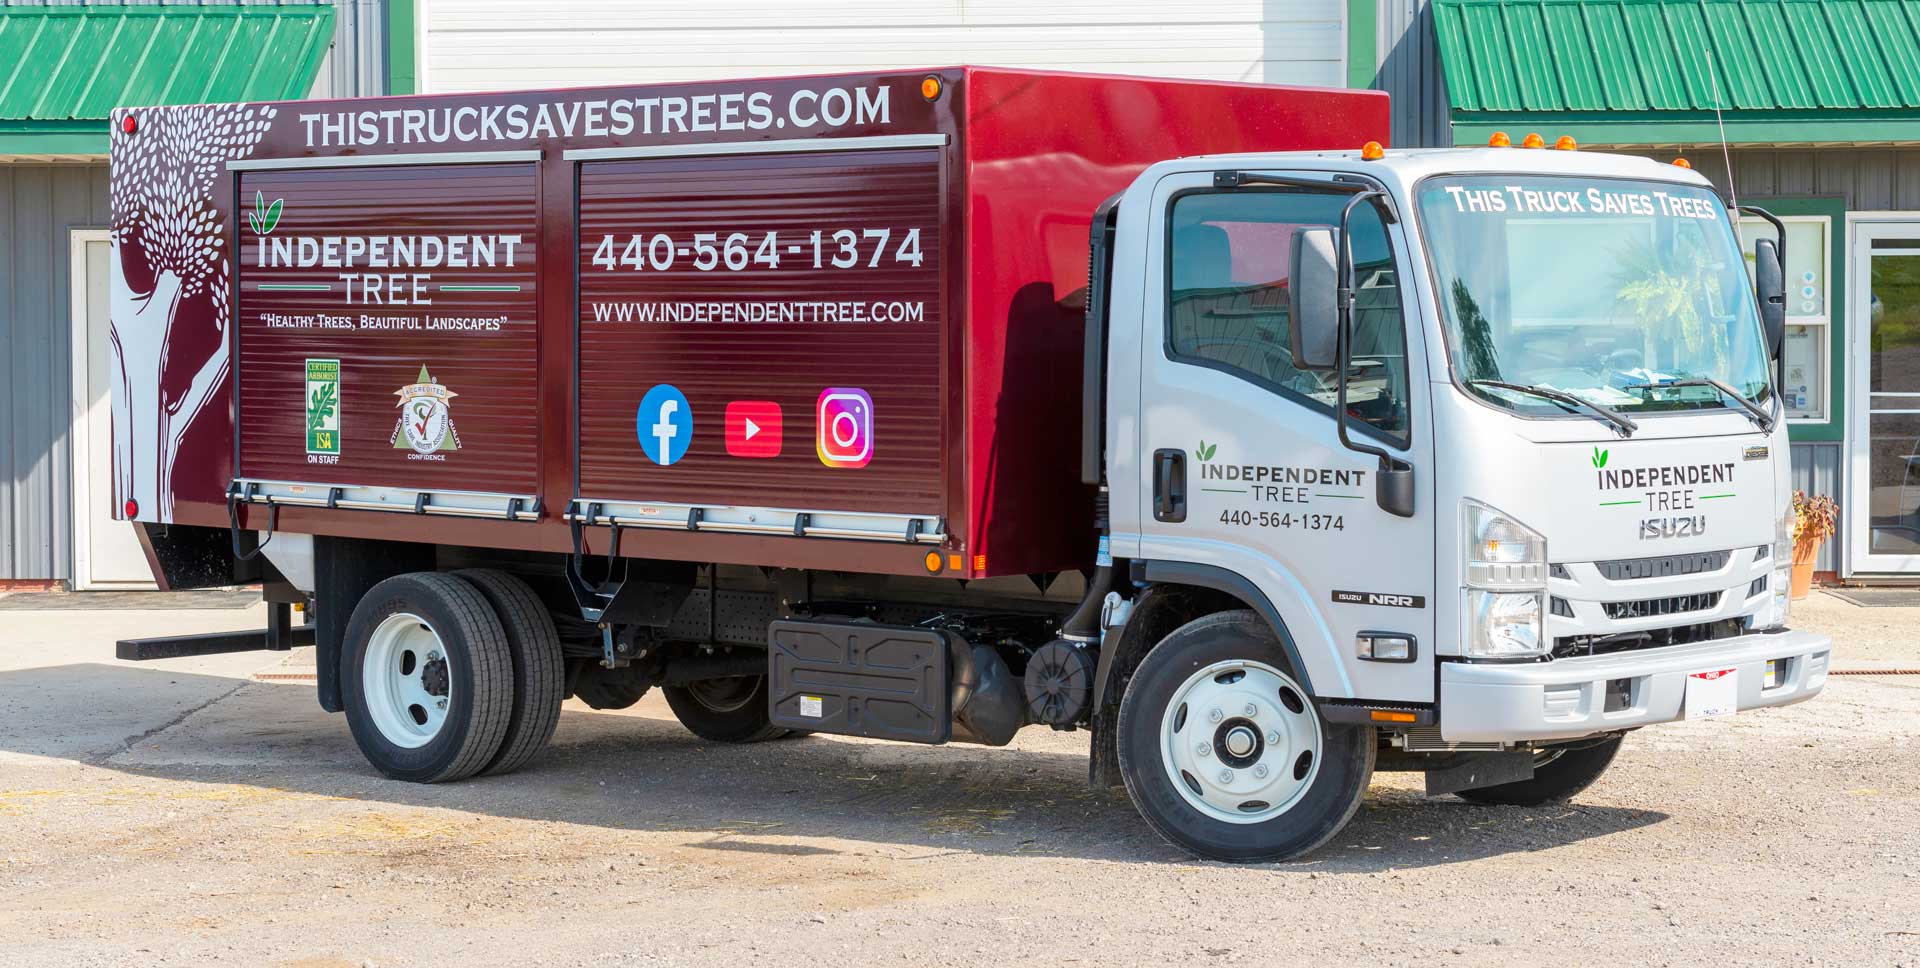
x=644 y=772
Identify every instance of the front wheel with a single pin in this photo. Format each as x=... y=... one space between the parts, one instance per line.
x=1223 y=752
x=1557 y=775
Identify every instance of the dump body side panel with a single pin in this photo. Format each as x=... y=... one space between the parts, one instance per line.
x=387 y=327
x=799 y=351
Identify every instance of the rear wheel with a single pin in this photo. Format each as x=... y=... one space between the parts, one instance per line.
x=730 y=710
x=1224 y=753
x=1557 y=775
x=427 y=677
x=539 y=673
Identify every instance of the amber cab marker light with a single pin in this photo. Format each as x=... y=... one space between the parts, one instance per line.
x=129 y=125
x=1371 y=151
x=1499 y=140
x=1533 y=140
x=930 y=87
x=1566 y=143
x=1682 y=163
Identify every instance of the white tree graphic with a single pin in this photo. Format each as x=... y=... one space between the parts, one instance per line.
x=164 y=212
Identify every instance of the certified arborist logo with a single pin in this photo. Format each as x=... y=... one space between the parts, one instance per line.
x=323 y=408
x=425 y=424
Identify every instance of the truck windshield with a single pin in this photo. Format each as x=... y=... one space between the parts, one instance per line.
x=1599 y=288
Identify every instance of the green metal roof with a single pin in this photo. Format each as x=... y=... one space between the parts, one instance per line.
x=1652 y=71
x=62 y=69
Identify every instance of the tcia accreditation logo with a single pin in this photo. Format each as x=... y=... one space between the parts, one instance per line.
x=425 y=424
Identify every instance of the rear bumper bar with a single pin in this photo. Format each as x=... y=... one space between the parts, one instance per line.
x=1566 y=698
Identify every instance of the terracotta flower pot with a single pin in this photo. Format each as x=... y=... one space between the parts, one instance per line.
x=1805 y=553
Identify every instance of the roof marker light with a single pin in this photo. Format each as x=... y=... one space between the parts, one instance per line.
x=1371 y=151
x=1499 y=140
x=1533 y=140
x=1682 y=163
x=1566 y=143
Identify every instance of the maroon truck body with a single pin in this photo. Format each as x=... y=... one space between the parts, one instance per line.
x=439 y=319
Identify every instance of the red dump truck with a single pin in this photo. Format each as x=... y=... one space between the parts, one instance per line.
x=576 y=393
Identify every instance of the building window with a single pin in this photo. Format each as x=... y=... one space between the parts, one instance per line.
x=1809 y=310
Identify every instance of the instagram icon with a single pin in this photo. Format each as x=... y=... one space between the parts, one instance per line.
x=845 y=436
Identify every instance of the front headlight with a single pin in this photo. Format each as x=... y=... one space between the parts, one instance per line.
x=1504 y=624
x=1781 y=584
x=1505 y=574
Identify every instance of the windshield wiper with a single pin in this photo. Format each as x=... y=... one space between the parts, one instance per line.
x=1758 y=413
x=1621 y=422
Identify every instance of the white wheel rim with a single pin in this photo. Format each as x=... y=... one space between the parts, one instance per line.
x=1240 y=741
x=408 y=680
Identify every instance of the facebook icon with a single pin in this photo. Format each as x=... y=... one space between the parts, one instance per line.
x=665 y=424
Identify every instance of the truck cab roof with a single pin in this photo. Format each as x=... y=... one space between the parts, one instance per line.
x=1402 y=167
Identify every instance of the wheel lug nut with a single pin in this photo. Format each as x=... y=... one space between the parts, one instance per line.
x=1215 y=715
x=1205 y=750
x=1252 y=710
x=1226 y=776
x=1273 y=736
x=1260 y=771
x=442 y=704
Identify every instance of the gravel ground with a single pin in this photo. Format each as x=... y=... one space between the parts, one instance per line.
x=188 y=813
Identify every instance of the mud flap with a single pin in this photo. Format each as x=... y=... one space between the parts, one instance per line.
x=1475 y=770
x=860 y=679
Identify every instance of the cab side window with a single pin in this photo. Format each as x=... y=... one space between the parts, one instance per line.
x=1227 y=310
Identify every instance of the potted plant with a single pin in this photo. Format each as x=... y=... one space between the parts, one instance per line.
x=1813 y=522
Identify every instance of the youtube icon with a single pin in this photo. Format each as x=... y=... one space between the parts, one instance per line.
x=753 y=428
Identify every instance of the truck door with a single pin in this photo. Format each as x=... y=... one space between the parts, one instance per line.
x=1242 y=470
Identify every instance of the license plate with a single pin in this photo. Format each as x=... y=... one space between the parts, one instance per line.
x=1712 y=693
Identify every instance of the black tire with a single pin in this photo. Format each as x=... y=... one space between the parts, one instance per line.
x=725 y=710
x=1324 y=807
x=539 y=673
x=1556 y=780
x=479 y=665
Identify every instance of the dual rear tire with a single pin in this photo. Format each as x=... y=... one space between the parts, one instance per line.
x=449 y=675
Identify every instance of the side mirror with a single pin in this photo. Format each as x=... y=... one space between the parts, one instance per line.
x=1313 y=288
x=1770 y=285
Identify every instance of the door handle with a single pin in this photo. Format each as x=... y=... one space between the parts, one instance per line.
x=1170 y=485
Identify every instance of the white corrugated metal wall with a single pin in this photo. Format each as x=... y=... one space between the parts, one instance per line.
x=477 y=45
x=39 y=203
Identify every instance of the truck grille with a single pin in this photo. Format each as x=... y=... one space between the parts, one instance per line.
x=1665 y=566
x=1569 y=646
x=1652 y=607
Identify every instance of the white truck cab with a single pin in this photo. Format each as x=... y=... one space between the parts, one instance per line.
x=1487 y=441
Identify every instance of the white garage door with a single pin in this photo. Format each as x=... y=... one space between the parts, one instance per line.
x=490 y=45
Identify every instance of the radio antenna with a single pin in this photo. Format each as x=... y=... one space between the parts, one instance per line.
x=1726 y=155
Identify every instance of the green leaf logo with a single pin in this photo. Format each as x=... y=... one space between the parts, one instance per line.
x=321 y=406
x=1205 y=450
x=264 y=218
x=1599 y=458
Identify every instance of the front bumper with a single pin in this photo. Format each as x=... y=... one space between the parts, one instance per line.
x=1566 y=698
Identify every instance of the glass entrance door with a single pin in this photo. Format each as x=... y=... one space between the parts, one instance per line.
x=1883 y=515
